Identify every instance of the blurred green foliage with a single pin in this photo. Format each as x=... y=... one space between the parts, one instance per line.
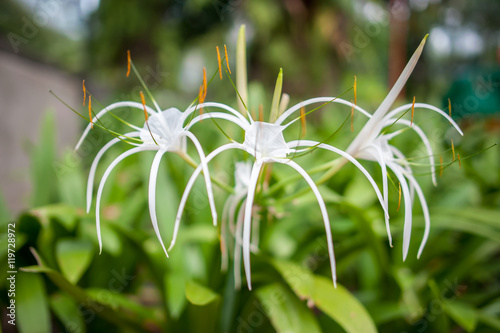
x=67 y=286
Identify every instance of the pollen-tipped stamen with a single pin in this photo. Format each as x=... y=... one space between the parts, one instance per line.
x=84 y=92
x=453 y=149
x=449 y=107
x=128 y=62
x=219 y=62
x=146 y=116
x=227 y=59
x=459 y=163
x=412 y=111
x=303 y=121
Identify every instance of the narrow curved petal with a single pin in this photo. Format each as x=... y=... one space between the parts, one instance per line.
x=93 y=167
x=425 y=210
x=223 y=234
x=103 y=182
x=238 y=246
x=405 y=107
x=190 y=184
x=152 y=195
x=408 y=207
x=247 y=223
x=110 y=108
x=425 y=141
x=206 y=173
x=408 y=171
x=348 y=157
x=234 y=205
x=385 y=188
x=298 y=106
x=216 y=105
x=243 y=124
x=324 y=213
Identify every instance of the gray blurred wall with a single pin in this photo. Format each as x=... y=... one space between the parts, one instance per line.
x=24 y=100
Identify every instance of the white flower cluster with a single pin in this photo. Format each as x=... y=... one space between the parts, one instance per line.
x=169 y=130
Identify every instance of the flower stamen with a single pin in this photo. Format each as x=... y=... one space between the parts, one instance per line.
x=459 y=163
x=128 y=62
x=303 y=121
x=412 y=111
x=90 y=112
x=219 y=62
x=440 y=166
x=449 y=108
x=453 y=150
x=146 y=116
x=227 y=59
x=84 y=92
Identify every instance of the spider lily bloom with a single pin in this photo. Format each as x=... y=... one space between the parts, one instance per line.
x=266 y=143
x=164 y=131
x=373 y=145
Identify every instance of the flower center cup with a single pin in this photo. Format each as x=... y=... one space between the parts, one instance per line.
x=265 y=141
x=165 y=130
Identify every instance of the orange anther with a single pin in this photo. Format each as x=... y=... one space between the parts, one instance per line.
x=144 y=105
x=219 y=62
x=227 y=59
x=441 y=166
x=459 y=163
x=449 y=107
x=303 y=120
x=84 y=92
x=261 y=112
x=453 y=149
x=412 y=111
x=128 y=62
x=399 y=200
x=90 y=112
x=355 y=97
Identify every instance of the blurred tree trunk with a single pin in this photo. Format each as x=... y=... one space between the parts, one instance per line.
x=398 y=36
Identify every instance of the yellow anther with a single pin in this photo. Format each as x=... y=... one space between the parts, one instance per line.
x=144 y=105
x=459 y=163
x=202 y=94
x=84 y=92
x=453 y=149
x=399 y=200
x=227 y=59
x=303 y=120
x=219 y=62
x=90 y=112
x=441 y=166
x=412 y=111
x=355 y=97
x=128 y=62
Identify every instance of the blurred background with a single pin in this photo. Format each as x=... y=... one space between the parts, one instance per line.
x=54 y=45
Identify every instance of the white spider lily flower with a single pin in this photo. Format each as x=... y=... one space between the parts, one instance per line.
x=266 y=143
x=164 y=131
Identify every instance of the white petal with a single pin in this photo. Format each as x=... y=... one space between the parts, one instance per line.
x=109 y=108
x=216 y=105
x=247 y=223
x=152 y=195
x=425 y=210
x=298 y=106
x=103 y=182
x=324 y=213
x=408 y=207
x=206 y=173
x=93 y=167
x=351 y=159
x=238 y=245
x=244 y=125
x=190 y=184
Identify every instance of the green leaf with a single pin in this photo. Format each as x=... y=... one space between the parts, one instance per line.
x=66 y=309
x=64 y=214
x=70 y=180
x=338 y=303
x=43 y=155
x=5 y=215
x=463 y=314
x=175 y=285
x=74 y=257
x=32 y=310
x=200 y=295
x=285 y=311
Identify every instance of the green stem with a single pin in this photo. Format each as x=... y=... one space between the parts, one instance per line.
x=192 y=163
